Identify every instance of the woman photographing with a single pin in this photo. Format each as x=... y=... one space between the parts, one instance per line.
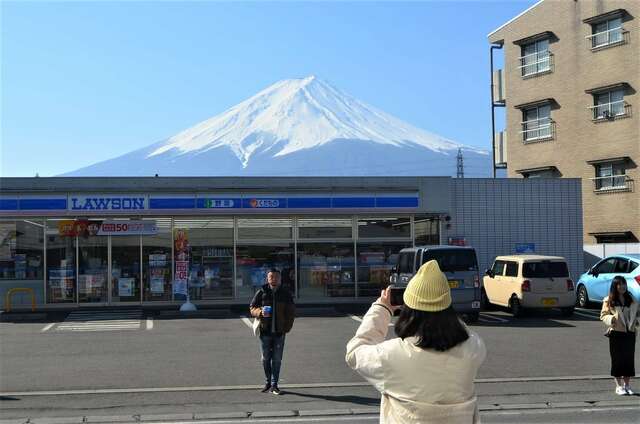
x=620 y=314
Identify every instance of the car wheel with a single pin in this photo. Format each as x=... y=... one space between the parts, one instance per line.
x=484 y=301
x=582 y=300
x=567 y=312
x=515 y=306
x=473 y=316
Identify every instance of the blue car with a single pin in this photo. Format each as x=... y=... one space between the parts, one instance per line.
x=594 y=285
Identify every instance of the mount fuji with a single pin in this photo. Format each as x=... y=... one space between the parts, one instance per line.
x=298 y=127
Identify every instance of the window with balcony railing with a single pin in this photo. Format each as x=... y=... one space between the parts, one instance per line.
x=607 y=33
x=609 y=105
x=537 y=124
x=536 y=58
x=611 y=177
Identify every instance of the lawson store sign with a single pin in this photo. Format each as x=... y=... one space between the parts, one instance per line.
x=135 y=203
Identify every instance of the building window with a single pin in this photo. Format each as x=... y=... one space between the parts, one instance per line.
x=537 y=124
x=611 y=176
x=608 y=32
x=536 y=58
x=609 y=105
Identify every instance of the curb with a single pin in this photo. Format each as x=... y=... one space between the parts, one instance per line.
x=203 y=417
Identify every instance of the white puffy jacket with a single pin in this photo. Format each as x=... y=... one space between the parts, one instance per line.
x=417 y=385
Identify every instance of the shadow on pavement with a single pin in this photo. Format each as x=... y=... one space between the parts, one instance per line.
x=359 y=400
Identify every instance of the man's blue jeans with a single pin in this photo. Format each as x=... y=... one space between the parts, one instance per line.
x=272 y=347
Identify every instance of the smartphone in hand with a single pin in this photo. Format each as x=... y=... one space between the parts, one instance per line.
x=396 y=294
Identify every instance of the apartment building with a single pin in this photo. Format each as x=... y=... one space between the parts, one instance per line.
x=569 y=88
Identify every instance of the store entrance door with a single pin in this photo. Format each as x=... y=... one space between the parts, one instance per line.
x=125 y=269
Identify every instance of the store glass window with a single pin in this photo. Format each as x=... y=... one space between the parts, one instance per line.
x=427 y=230
x=325 y=228
x=265 y=229
x=253 y=263
x=387 y=227
x=326 y=270
x=61 y=261
x=211 y=259
x=22 y=259
x=93 y=262
x=375 y=261
x=157 y=262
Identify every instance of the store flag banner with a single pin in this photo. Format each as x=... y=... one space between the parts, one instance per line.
x=128 y=228
x=125 y=287
x=181 y=251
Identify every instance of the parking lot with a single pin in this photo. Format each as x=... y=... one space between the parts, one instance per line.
x=125 y=362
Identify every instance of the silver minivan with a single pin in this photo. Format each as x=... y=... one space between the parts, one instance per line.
x=459 y=264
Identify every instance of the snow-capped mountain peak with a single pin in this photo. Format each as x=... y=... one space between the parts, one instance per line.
x=294 y=115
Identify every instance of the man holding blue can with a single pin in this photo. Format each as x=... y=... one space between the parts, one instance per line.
x=273 y=305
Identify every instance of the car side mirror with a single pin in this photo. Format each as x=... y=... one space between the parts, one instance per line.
x=489 y=273
x=394 y=269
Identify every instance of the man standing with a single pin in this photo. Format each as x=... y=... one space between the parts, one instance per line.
x=273 y=305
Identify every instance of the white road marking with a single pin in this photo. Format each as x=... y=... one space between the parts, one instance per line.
x=101 y=321
x=355 y=318
x=284 y=386
x=586 y=315
x=48 y=327
x=248 y=322
x=149 y=323
x=493 y=317
x=368 y=417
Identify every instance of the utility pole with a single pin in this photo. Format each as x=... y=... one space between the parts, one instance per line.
x=460 y=173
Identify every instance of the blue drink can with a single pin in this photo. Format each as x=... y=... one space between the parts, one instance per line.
x=266 y=311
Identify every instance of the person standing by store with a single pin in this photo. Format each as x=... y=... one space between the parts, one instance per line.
x=426 y=374
x=273 y=305
x=620 y=314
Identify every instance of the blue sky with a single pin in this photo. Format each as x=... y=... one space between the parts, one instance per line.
x=87 y=81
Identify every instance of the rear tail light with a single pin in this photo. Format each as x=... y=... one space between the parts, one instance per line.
x=570 y=286
x=637 y=278
x=476 y=281
x=526 y=286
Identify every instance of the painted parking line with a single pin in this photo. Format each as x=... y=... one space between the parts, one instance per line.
x=149 y=323
x=359 y=319
x=47 y=327
x=491 y=318
x=247 y=322
x=91 y=321
x=582 y=314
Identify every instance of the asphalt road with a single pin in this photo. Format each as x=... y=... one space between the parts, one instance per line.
x=150 y=365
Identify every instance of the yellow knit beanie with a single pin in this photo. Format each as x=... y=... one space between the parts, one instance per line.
x=428 y=290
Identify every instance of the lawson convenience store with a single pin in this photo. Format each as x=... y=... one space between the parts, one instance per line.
x=112 y=241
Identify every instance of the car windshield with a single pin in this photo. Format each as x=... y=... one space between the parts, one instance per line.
x=544 y=269
x=451 y=260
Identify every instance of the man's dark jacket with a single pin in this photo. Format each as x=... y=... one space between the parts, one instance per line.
x=283 y=309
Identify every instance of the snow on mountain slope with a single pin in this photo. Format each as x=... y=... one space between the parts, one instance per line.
x=286 y=123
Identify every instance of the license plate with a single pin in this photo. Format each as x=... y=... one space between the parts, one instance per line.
x=549 y=301
x=454 y=284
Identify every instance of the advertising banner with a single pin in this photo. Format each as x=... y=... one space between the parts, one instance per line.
x=128 y=228
x=181 y=251
x=125 y=287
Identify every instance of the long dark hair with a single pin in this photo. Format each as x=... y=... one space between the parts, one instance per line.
x=613 y=292
x=440 y=330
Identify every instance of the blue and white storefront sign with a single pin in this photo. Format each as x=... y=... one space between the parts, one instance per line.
x=87 y=204
x=219 y=203
x=118 y=202
x=525 y=248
